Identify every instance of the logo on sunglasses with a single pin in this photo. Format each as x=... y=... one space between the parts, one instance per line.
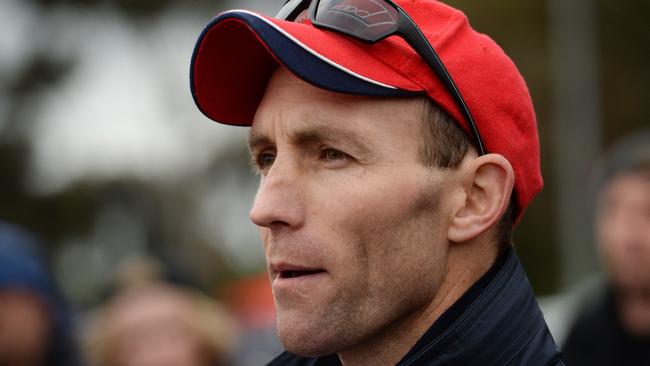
x=372 y=12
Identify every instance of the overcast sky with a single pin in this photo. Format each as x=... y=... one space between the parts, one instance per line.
x=125 y=108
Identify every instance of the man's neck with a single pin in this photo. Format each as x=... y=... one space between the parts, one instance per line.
x=465 y=265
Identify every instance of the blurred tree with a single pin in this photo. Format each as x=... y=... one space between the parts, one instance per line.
x=624 y=34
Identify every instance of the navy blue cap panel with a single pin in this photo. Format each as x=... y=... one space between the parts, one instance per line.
x=311 y=68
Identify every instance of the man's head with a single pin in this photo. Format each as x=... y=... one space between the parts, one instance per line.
x=238 y=51
x=376 y=211
x=623 y=228
x=355 y=224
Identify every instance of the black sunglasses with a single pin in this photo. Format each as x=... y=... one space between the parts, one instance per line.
x=371 y=21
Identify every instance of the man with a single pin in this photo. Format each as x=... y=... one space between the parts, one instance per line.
x=386 y=200
x=614 y=327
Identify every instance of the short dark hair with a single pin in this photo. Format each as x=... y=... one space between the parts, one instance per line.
x=444 y=145
x=628 y=155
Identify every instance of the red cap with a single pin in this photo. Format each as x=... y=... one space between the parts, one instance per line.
x=238 y=51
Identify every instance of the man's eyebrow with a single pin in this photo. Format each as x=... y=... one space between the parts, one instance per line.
x=330 y=134
x=255 y=140
x=312 y=134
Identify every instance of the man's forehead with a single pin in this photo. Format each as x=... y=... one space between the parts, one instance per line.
x=316 y=111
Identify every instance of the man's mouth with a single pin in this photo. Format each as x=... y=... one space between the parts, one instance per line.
x=296 y=277
x=294 y=274
x=284 y=270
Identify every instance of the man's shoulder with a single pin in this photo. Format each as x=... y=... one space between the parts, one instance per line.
x=289 y=359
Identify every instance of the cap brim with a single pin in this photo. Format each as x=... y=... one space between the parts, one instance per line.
x=238 y=51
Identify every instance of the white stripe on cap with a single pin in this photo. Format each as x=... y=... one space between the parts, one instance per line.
x=306 y=48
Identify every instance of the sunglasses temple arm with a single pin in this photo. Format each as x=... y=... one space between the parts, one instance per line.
x=414 y=36
x=291 y=9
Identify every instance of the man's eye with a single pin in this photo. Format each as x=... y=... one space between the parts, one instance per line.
x=333 y=154
x=265 y=160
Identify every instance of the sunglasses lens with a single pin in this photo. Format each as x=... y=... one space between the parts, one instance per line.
x=369 y=20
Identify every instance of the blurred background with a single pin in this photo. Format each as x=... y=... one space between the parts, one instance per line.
x=104 y=155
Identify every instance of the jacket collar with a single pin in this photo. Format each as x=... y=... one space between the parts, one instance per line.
x=489 y=322
x=493 y=321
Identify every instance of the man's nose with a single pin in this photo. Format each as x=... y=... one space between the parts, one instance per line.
x=278 y=202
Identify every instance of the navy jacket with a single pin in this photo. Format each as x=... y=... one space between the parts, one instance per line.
x=496 y=322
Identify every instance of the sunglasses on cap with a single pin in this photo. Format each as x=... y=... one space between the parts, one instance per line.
x=371 y=21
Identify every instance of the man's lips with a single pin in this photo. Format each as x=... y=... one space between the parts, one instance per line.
x=293 y=282
x=293 y=274
x=287 y=271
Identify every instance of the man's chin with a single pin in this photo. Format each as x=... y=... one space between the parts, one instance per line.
x=304 y=340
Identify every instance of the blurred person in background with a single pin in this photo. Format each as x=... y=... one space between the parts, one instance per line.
x=35 y=328
x=149 y=321
x=613 y=327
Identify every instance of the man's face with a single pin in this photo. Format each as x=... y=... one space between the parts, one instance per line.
x=623 y=229
x=353 y=225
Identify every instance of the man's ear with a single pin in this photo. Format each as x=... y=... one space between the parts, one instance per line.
x=488 y=181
